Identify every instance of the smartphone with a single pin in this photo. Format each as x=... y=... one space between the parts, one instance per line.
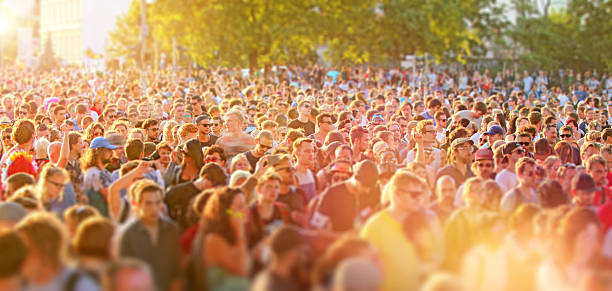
x=273 y=160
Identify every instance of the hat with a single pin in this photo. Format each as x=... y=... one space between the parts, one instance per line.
x=459 y=141
x=11 y=212
x=101 y=142
x=331 y=147
x=584 y=182
x=285 y=238
x=495 y=129
x=542 y=149
x=509 y=147
x=366 y=173
x=483 y=154
x=214 y=174
x=116 y=139
x=193 y=149
x=343 y=166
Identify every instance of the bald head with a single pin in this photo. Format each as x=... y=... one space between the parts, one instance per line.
x=54 y=150
x=446 y=187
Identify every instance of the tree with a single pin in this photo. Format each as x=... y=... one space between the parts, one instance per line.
x=47 y=59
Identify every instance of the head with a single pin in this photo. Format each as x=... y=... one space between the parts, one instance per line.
x=148 y=197
x=234 y=120
x=304 y=150
x=268 y=187
x=446 y=188
x=473 y=192
x=597 y=167
x=93 y=239
x=226 y=206
x=51 y=183
x=14 y=253
x=45 y=240
x=407 y=191
x=127 y=274
x=526 y=172
x=264 y=142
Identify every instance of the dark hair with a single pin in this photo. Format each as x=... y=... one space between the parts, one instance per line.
x=13 y=252
x=550 y=194
x=133 y=149
x=216 y=218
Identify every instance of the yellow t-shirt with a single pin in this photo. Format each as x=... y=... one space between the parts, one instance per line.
x=400 y=263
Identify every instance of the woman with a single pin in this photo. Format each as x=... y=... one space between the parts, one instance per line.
x=94 y=130
x=167 y=134
x=222 y=230
x=92 y=245
x=240 y=162
x=406 y=111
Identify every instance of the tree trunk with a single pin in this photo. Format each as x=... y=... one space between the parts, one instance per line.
x=252 y=63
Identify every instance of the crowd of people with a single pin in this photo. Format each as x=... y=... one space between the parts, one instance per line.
x=305 y=179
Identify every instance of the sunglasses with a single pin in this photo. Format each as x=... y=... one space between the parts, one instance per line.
x=206 y=124
x=484 y=165
x=112 y=116
x=565 y=135
x=187 y=116
x=211 y=160
x=525 y=143
x=22 y=113
x=519 y=151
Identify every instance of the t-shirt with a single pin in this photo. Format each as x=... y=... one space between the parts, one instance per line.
x=396 y=252
x=60 y=282
x=252 y=160
x=506 y=180
x=467 y=114
x=94 y=181
x=295 y=199
x=211 y=141
x=343 y=209
x=306 y=182
x=452 y=171
x=308 y=127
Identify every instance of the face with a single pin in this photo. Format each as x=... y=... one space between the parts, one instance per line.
x=565 y=135
x=98 y=132
x=239 y=206
x=144 y=112
x=204 y=126
x=599 y=172
x=464 y=152
x=233 y=124
x=111 y=117
x=153 y=131
x=326 y=124
x=409 y=197
x=484 y=168
x=242 y=164
x=164 y=156
x=306 y=154
x=528 y=176
x=150 y=206
x=429 y=133
x=60 y=116
x=263 y=145
x=53 y=186
x=525 y=142
x=551 y=135
x=584 y=198
x=215 y=158
x=107 y=155
x=269 y=190
x=305 y=109
x=446 y=190
x=122 y=130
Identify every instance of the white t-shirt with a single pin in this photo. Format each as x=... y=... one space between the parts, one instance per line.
x=506 y=180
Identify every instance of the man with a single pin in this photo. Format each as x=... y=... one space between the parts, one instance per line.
x=152 y=238
x=303 y=121
x=73 y=165
x=151 y=126
x=127 y=275
x=344 y=206
x=525 y=140
x=192 y=162
x=432 y=107
x=360 y=141
x=97 y=179
x=179 y=197
x=479 y=109
x=425 y=150
x=494 y=134
x=163 y=150
x=443 y=206
x=440 y=119
x=196 y=104
x=59 y=115
x=506 y=178
x=461 y=159
x=566 y=133
x=44 y=267
x=109 y=115
x=324 y=126
x=524 y=192
x=597 y=167
x=551 y=134
x=134 y=151
x=583 y=190
x=204 y=136
x=293 y=197
x=304 y=151
x=235 y=140
x=483 y=167
x=13 y=252
x=285 y=245
x=264 y=142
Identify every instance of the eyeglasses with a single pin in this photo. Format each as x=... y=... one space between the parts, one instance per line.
x=463 y=148
x=22 y=113
x=519 y=151
x=211 y=160
x=289 y=169
x=565 y=135
x=187 y=116
x=112 y=116
x=442 y=120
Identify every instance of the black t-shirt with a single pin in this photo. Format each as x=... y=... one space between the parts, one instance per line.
x=295 y=199
x=343 y=207
x=252 y=160
x=178 y=198
x=211 y=141
x=308 y=127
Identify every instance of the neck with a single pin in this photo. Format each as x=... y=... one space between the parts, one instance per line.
x=300 y=167
x=280 y=268
x=396 y=213
x=45 y=274
x=303 y=118
x=188 y=173
x=203 y=137
x=149 y=223
x=265 y=207
x=461 y=166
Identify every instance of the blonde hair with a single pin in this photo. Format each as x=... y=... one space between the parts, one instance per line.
x=470 y=189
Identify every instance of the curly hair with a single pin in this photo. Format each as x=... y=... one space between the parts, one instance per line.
x=89 y=132
x=216 y=217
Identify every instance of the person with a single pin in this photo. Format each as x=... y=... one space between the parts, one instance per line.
x=346 y=205
x=385 y=232
x=292 y=196
x=23 y=135
x=583 y=190
x=192 y=162
x=151 y=237
x=324 y=126
x=151 y=126
x=443 y=206
x=205 y=137
x=461 y=158
x=223 y=240
x=303 y=121
x=51 y=186
x=44 y=266
x=16 y=182
x=97 y=179
x=304 y=151
x=597 y=167
x=92 y=245
x=524 y=192
x=179 y=197
x=479 y=109
x=127 y=274
x=359 y=139
x=264 y=143
x=357 y=274
x=13 y=252
x=234 y=140
x=286 y=251
x=507 y=177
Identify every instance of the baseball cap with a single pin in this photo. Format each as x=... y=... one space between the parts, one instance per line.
x=459 y=141
x=101 y=142
x=483 y=154
x=584 y=182
x=366 y=172
x=193 y=149
x=511 y=146
x=11 y=212
x=495 y=129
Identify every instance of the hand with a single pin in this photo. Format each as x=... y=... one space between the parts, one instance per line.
x=262 y=165
x=417 y=137
x=66 y=129
x=143 y=168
